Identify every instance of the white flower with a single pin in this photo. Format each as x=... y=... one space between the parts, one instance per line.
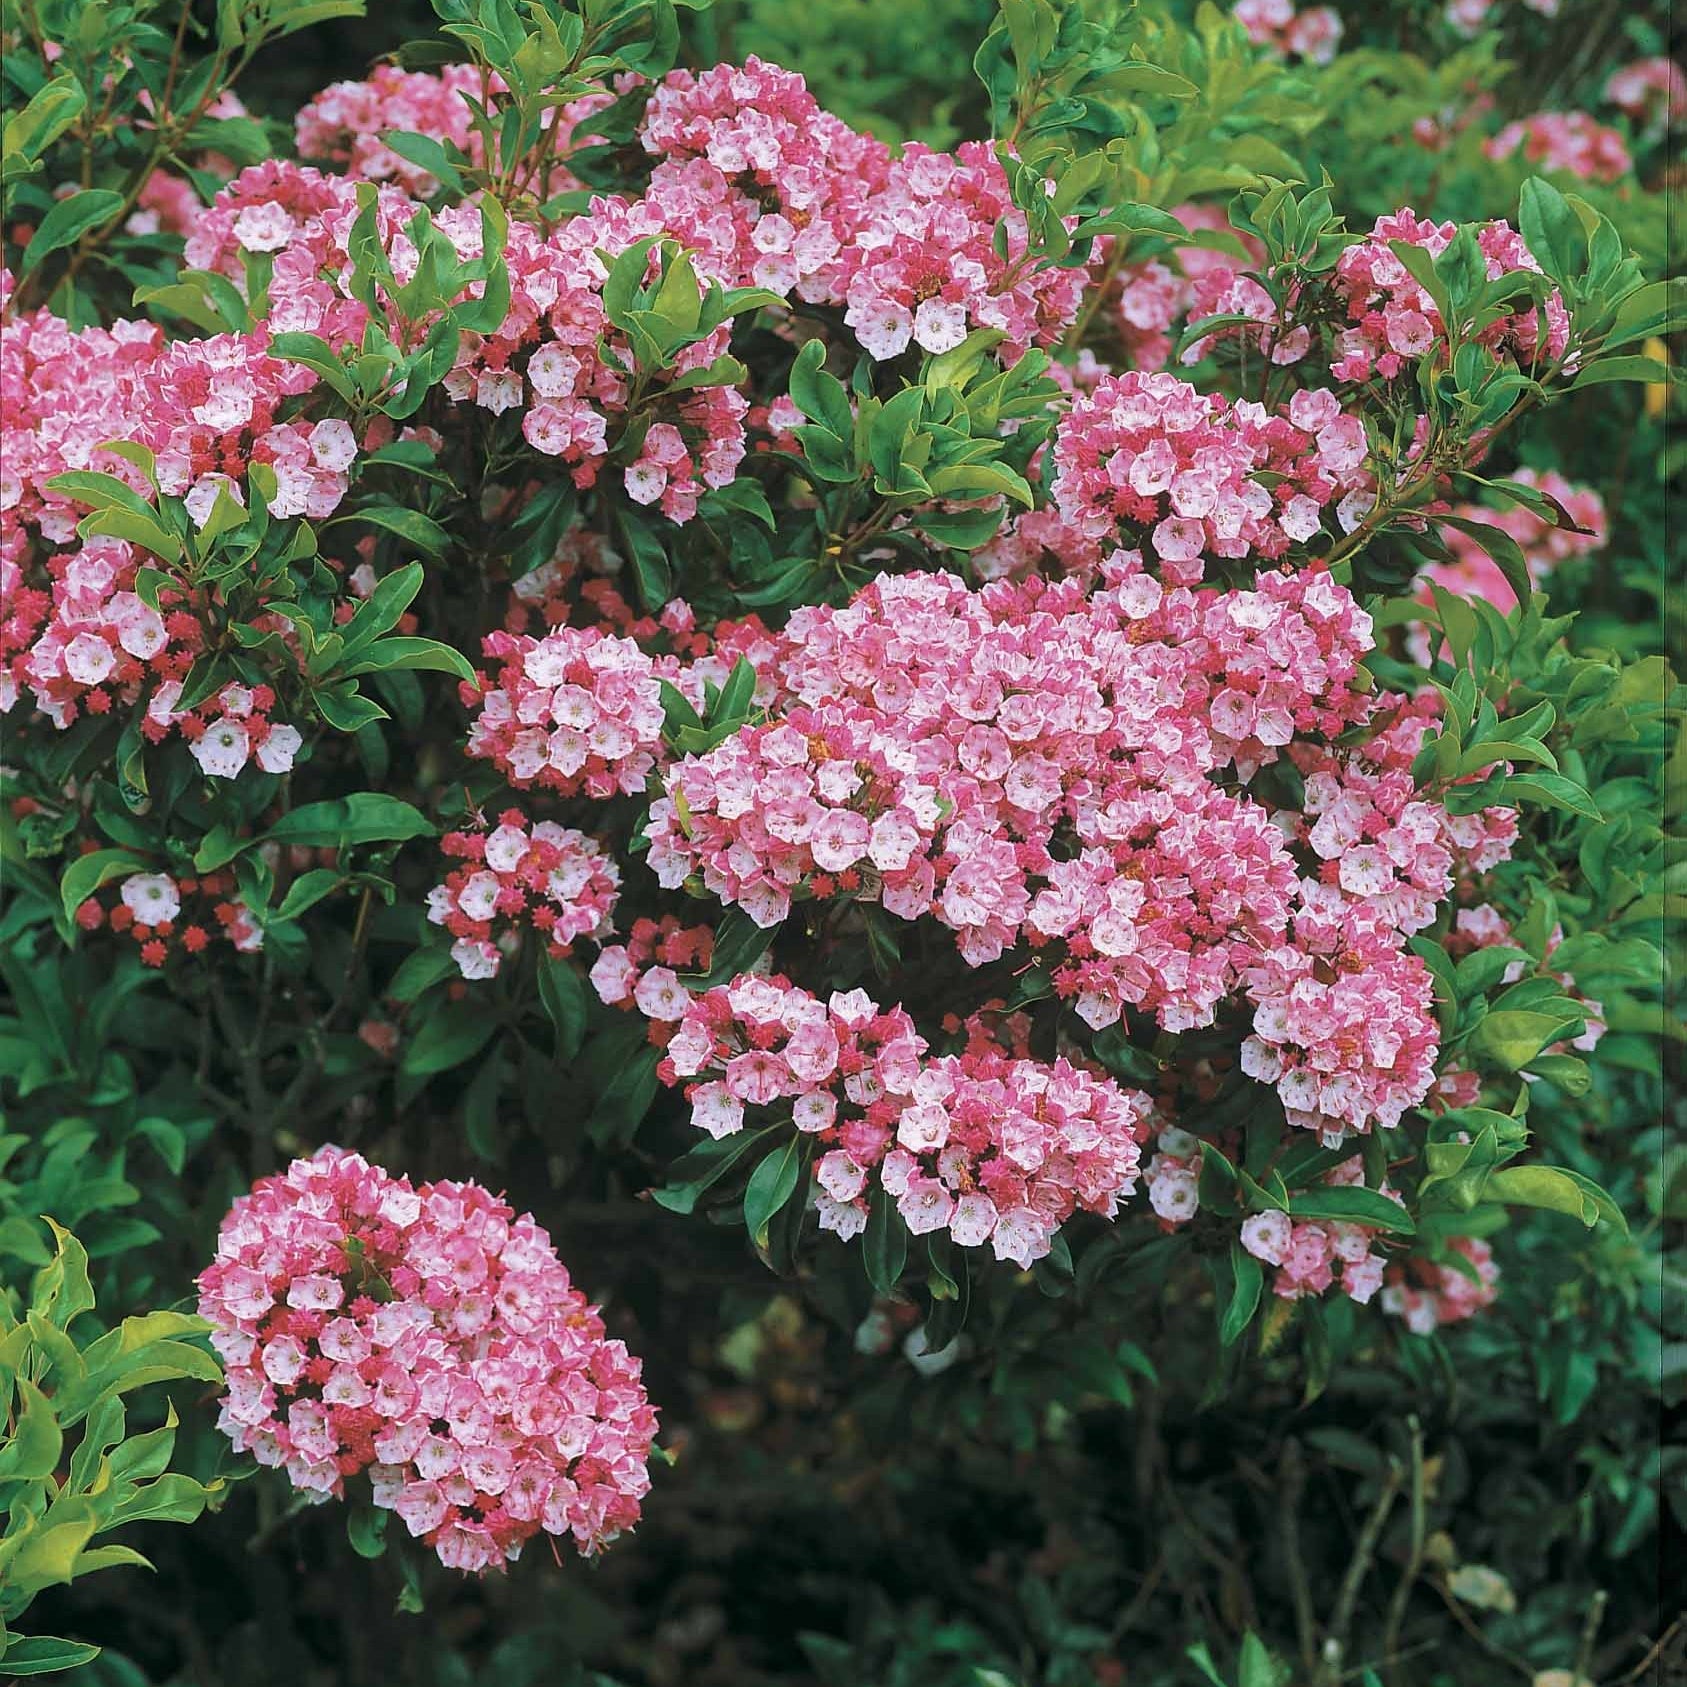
x=151 y=897
x=88 y=659
x=276 y=753
x=222 y=750
x=333 y=446
x=475 y=959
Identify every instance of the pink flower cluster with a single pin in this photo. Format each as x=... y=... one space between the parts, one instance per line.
x=1313 y=34
x=986 y=1147
x=1028 y=764
x=75 y=635
x=346 y=124
x=747 y=158
x=558 y=881
x=1154 y=295
x=1349 y=1044
x=1653 y=92
x=1470 y=17
x=1473 y=573
x=577 y=710
x=1426 y=1295
x=807 y=206
x=1571 y=141
x=1485 y=927
x=1146 y=459
x=1308 y=1255
x=1394 y=321
x=426 y=1337
x=662 y=945
x=558 y=358
x=924 y=268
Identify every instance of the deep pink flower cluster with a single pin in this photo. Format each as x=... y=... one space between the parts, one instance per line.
x=1146 y=459
x=429 y=1338
x=1426 y=1295
x=1565 y=140
x=1394 y=321
x=577 y=710
x=986 y=1147
x=1473 y=573
x=165 y=914
x=558 y=881
x=664 y=945
x=1313 y=34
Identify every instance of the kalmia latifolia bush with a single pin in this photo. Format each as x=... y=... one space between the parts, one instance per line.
x=985 y=719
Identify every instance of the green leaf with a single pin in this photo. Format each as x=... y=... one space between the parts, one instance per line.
x=419 y=972
x=564 y=997
x=388 y=654
x=885 y=1244
x=31 y=1449
x=650 y=561
x=68 y=221
x=87 y=873
x=1556 y=1190
x=1513 y=1037
x=366 y=817
x=770 y=1187
x=366 y=1529
x=1608 y=369
x=1552 y=231
x=44 y=1654
x=426 y=154
x=1248 y=1280
x=1571 y=1075
x=739 y=944
x=820 y=396
x=456 y=1033
x=624 y=1102
x=1351 y=1204
x=412 y=526
x=307 y=890
x=692 y=1175
x=1255 y=1666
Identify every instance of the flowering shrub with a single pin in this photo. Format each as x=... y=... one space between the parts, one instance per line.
x=991 y=729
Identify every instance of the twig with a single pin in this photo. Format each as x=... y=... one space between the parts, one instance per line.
x=1341 y=1619
x=1293 y=1467
x=1139 y=1600
x=1590 y=1633
x=1414 y=1558
x=1652 y=1656
x=1474 y=1630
